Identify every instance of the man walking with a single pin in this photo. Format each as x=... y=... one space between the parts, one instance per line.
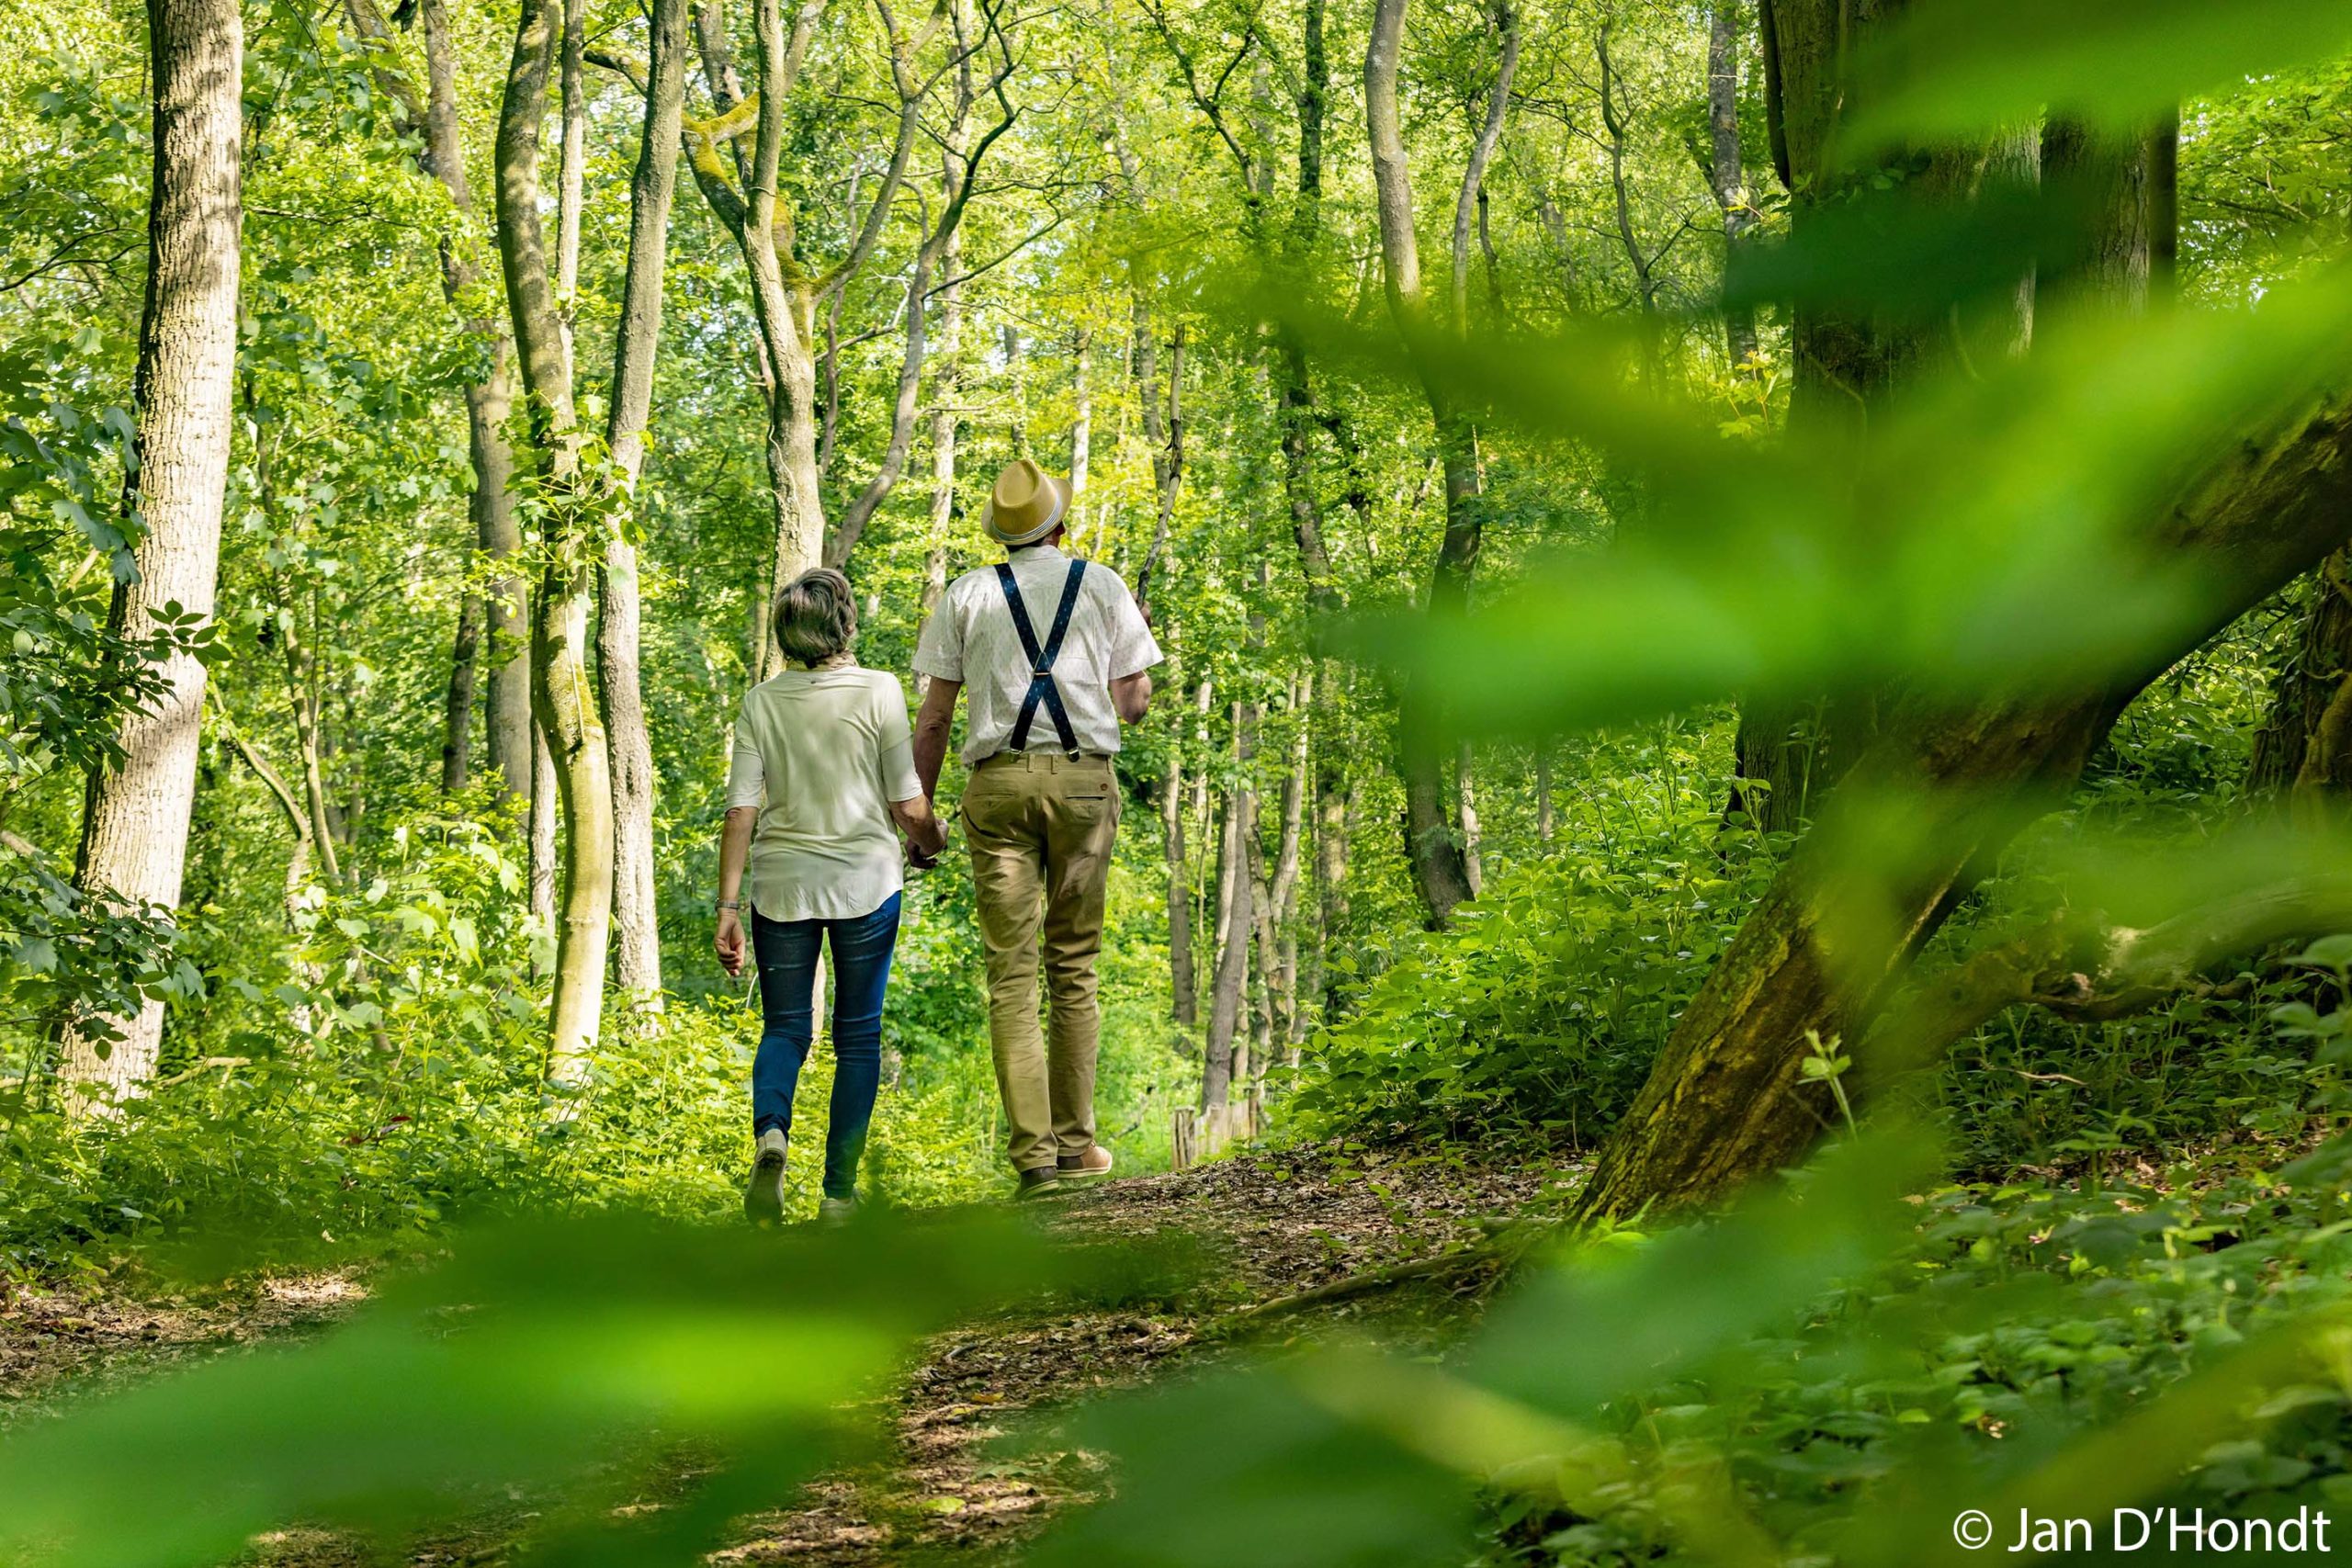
x=1056 y=655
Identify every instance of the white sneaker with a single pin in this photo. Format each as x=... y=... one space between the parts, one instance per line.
x=837 y=1211
x=764 y=1194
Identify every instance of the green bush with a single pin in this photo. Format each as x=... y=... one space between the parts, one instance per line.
x=1541 y=1009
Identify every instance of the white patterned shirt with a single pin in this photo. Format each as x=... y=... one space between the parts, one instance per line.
x=823 y=753
x=971 y=637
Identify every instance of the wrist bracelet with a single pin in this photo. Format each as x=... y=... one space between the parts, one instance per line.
x=735 y=904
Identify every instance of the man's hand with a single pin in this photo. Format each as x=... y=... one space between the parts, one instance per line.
x=730 y=943
x=1131 y=695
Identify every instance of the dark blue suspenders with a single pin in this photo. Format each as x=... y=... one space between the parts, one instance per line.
x=1042 y=688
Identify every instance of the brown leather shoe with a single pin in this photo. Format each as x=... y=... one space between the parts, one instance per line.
x=1043 y=1181
x=1095 y=1161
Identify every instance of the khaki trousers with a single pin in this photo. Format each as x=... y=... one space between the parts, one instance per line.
x=1041 y=827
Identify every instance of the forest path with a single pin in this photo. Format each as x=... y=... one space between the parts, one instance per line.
x=1269 y=1244
x=1273 y=1230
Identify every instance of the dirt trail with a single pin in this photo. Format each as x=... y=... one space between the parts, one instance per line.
x=1280 y=1237
x=1277 y=1230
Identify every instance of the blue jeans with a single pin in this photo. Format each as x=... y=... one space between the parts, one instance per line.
x=786 y=954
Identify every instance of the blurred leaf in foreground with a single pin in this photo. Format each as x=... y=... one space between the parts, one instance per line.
x=2038 y=524
x=1955 y=67
x=541 y=1356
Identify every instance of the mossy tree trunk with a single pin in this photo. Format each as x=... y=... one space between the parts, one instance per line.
x=562 y=674
x=637 y=967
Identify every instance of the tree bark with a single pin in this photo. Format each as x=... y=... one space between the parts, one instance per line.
x=571 y=169
x=1725 y=175
x=2309 y=684
x=563 y=698
x=1334 y=814
x=1224 y=1056
x=1466 y=804
x=505 y=651
x=1844 y=363
x=457 y=703
x=1185 y=998
x=1725 y=1101
x=133 y=847
x=1165 y=435
x=947 y=386
x=636 y=918
x=1281 y=973
x=1439 y=873
x=539 y=817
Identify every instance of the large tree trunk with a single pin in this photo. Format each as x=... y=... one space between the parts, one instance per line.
x=1845 y=363
x=506 y=654
x=1818 y=954
x=135 y=817
x=561 y=670
x=636 y=918
x=1723 y=1103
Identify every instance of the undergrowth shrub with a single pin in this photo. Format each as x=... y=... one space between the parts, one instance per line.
x=1541 y=1009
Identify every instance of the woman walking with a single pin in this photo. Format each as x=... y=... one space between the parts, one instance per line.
x=823 y=769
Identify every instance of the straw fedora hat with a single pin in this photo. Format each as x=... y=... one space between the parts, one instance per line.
x=1026 y=505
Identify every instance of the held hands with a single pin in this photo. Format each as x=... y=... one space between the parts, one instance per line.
x=730 y=943
x=926 y=838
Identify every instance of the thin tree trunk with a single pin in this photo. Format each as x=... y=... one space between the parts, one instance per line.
x=785 y=311
x=1185 y=999
x=457 y=704
x=562 y=695
x=1725 y=175
x=1465 y=803
x=947 y=385
x=135 y=817
x=1613 y=122
x=1225 y=1055
x=636 y=918
x=1438 y=870
x=503 y=649
x=1334 y=816
x=1166 y=437
x=1282 y=976
x=1543 y=813
x=571 y=169
x=1082 y=427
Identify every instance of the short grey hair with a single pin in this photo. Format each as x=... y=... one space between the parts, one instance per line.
x=816 y=616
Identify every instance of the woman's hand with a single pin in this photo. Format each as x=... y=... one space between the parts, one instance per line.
x=730 y=943
x=926 y=834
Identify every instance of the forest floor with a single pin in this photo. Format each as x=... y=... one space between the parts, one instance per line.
x=1283 y=1244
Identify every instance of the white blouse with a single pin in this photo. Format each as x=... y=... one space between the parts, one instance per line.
x=823 y=753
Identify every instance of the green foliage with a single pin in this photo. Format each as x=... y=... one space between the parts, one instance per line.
x=1542 y=1008
x=573 y=1360
x=1830 y=1374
